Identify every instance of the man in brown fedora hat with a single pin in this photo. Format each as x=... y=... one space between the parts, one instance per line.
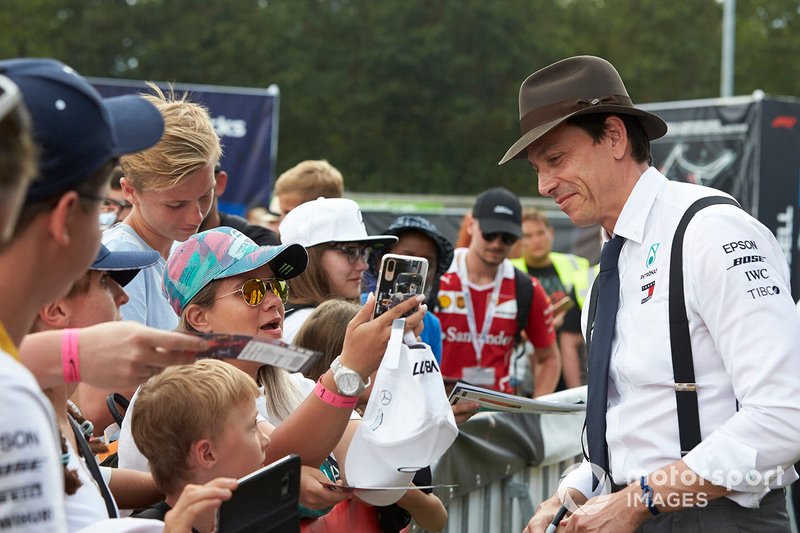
x=691 y=330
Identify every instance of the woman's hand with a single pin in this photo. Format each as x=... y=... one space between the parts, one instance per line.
x=366 y=338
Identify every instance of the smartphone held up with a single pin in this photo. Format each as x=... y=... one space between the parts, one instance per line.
x=401 y=277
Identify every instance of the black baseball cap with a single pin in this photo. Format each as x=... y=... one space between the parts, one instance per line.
x=498 y=210
x=76 y=130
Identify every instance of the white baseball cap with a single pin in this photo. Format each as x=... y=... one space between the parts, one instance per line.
x=408 y=424
x=329 y=220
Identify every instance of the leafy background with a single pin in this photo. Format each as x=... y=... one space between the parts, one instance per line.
x=412 y=96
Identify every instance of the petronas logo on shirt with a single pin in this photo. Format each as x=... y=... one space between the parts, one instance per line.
x=651 y=255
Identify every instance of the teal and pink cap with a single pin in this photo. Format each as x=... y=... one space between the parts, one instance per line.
x=221 y=253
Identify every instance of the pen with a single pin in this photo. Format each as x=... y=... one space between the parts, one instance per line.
x=562 y=512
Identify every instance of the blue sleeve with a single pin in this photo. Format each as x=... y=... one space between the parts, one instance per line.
x=432 y=334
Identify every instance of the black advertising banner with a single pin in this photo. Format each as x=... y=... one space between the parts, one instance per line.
x=748 y=147
x=246 y=121
x=779 y=198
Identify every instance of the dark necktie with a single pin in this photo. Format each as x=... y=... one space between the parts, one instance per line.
x=602 y=333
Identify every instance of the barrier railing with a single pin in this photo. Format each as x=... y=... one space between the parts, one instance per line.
x=504 y=464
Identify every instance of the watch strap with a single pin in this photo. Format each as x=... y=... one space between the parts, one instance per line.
x=338 y=368
x=333 y=398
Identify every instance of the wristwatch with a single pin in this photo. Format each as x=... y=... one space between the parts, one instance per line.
x=348 y=381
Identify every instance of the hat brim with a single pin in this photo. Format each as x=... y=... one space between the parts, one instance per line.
x=123 y=266
x=135 y=122
x=654 y=126
x=376 y=241
x=285 y=260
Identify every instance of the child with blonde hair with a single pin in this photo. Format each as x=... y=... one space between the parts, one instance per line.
x=209 y=431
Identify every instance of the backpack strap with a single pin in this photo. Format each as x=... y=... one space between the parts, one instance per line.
x=524 y=294
x=680 y=341
x=114 y=401
x=91 y=464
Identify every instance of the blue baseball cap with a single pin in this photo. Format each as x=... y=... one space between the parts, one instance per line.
x=76 y=130
x=123 y=266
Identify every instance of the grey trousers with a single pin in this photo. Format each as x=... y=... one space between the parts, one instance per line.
x=723 y=515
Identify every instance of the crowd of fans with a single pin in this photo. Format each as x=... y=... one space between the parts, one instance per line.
x=82 y=320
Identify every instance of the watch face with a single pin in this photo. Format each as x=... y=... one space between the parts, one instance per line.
x=348 y=383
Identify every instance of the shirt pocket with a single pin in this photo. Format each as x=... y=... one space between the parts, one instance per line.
x=643 y=355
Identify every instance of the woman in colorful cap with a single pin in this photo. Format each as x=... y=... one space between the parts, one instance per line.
x=333 y=232
x=219 y=281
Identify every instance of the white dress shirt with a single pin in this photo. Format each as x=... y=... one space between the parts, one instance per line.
x=745 y=336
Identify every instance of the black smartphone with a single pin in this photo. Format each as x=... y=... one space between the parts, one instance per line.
x=401 y=277
x=265 y=501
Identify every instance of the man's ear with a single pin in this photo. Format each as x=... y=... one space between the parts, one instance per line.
x=128 y=191
x=202 y=454
x=61 y=216
x=197 y=317
x=56 y=315
x=472 y=226
x=222 y=183
x=617 y=136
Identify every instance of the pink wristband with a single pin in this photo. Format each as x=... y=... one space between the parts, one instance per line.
x=334 y=399
x=70 y=363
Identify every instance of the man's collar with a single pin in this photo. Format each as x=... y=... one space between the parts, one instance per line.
x=633 y=217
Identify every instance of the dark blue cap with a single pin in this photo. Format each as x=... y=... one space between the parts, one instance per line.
x=123 y=266
x=76 y=130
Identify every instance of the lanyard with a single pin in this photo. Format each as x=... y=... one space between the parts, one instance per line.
x=6 y=344
x=478 y=341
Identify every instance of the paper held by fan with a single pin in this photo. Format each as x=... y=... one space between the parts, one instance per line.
x=491 y=400
x=345 y=488
x=271 y=352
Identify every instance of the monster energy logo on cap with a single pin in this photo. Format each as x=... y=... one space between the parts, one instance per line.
x=285 y=269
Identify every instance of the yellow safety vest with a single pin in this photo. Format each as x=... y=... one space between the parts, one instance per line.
x=573 y=271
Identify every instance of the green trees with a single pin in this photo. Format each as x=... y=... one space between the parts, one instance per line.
x=412 y=96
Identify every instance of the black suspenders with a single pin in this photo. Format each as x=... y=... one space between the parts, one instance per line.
x=680 y=342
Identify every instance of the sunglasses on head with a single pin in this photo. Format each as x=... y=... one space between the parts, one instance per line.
x=353 y=253
x=254 y=290
x=507 y=238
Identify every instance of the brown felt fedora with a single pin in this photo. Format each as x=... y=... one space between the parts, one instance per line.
x=574 y=86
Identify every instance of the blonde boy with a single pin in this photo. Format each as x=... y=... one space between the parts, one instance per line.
x=195 y=423
x=171 y=187
x=306 y=181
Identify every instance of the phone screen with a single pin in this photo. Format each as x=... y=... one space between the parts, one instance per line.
x=401 y=277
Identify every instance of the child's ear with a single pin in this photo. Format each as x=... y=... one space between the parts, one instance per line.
x=56 y=314
x=197 y=317
x=202 y=454
x=128 y=191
